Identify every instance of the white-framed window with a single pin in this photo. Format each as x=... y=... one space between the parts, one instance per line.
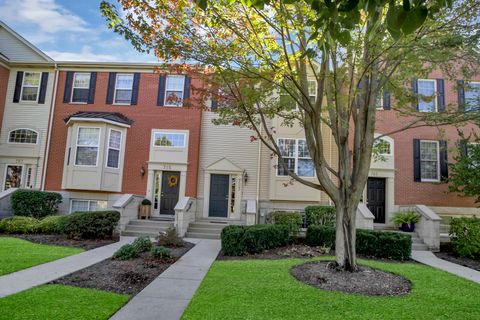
x=312 y=91
x=379 y=101
x=123 y=88
x=472 y=96
x=429 y=160
x=174 y=91
x=296 y=156
x=114 y=146
x=27 y=136
x=80 y=205
x=29 y=178
x=382 y=147
x=30 y=86
x=169 y=139
x=80 y=87
x=287 y=100
x=88 y=140
x=427 y=90
x=13 y=176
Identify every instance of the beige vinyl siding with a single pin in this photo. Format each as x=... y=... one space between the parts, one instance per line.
x=16 y=50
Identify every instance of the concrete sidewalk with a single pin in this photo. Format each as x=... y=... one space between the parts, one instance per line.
x=44 y=273
x=428 y=258
x=170 y=293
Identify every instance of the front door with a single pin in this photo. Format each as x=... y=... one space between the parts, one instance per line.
x=170 y=190
x=218 y=204
x=376 y=198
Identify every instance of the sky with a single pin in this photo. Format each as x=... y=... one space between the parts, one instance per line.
x=68 y=30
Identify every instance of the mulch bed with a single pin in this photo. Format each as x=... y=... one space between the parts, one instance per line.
x=123 y=276
x=367 y=281
x=466 y=262
x=290 y=251
x=59 y=240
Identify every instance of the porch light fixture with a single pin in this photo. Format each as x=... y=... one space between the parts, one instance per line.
x=245 y=177
x=142 y=171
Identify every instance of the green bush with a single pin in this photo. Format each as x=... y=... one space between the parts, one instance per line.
x=160 y=252
x=36 y=204
x=146 y=202
x=292 y=220
x=405 y=217
x=49 y=225
x=18 y=225
x=380 y=244
x=240 y=240
x=465 y=237
x=90 y=225
x=142 y=244
x=320 y=215
x=126 y=252
x=169 y=238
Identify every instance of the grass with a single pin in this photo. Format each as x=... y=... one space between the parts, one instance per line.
x=60 y=302
x=17 y=254
x=264 y=289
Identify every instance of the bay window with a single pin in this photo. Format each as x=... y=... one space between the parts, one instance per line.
x=87 y=146
x=114 y=145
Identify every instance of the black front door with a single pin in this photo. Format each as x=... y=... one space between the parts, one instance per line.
x=218 y=204
x=376 y=198
x=170 y=190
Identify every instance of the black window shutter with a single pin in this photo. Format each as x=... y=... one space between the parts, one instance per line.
x=186 y=89
x=18 y=86
x=111 y=87
x=92 y=87
x=162 y=82
x=463 y=148
x=43 y=88
x=416 y=161
x=386 y=100
x=461 y=94
x=440 y=95
x=67 y=93
x=136 y=82
x=443 y=159
x=415 y=93
x=214 y=105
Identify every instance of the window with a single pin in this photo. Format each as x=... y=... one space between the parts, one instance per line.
x=87 y=205
x=165 y=139
x=30 y=86
x=472 y=96
x=382 y=147
x=429 y=160
x=232 y=193
x=296 y=156
x=87 y=146
x=174 y=91
x=80 y=87
x=123 y=89
x=312 y=91
x=23 y=136
x=29 y=178
x=289 y=102
x=426 y=92
x=13 y=177
x=114 y=145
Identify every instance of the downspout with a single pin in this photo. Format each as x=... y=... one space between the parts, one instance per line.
x=257 y=197
x=50 y=126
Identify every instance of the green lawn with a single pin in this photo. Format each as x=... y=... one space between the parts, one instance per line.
x=264 y=289
x=58 y=302
x=17 y=254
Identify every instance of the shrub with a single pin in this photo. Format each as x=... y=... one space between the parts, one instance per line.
x=292 y=220
x=380 y=244
x=142 y=244
x=320 y=215
x=239 y=240
x=18 y=225
x=465 y=237
x=160 y=252
x=36 y=204
x=89 y=225
x=126 y=252
x=169 y=238
x=146 y=202
x=49 y=225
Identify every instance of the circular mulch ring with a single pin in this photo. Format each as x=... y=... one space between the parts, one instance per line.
x=367 y=281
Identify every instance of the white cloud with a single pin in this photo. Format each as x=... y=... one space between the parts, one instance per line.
x=85 y=54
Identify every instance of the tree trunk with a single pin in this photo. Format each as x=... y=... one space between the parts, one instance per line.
x=345 y=238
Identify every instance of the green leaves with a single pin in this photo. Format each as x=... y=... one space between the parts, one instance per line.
x=405 y=19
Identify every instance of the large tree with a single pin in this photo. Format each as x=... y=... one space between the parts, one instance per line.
x=260 y=56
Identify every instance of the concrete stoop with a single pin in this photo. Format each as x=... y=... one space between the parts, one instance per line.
x=146 y=228
x=205 y=229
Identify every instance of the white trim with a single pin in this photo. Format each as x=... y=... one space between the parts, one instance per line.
x=73 y=87
x=435 y=94
x=23 y=143
x=76 y=147
x=465 y=98
x=115 y=90
x=438 y=161
x=169 y=132
x=80 y=119
x=165 y=93
x=119 y=149
x=295 y=157
x=38 y=88
x=5 y=174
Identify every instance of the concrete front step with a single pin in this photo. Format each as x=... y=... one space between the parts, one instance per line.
x=139 y=234
x=151 y=223
x=202 y=235
x=204 y=230
x=138 y=228
x=419 y=247
x=208 y=225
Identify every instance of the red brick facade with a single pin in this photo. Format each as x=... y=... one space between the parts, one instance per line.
x=407 y=191
x=4 y=74
x=146 y=116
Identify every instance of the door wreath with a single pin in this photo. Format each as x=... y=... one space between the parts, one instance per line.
x=172 y=181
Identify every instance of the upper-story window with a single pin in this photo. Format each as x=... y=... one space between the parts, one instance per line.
x=382 y=147
x=123 y=88
x=80 y=87
x=174 y=91
x=472 y=96
x=429 y=160
x=23 y=136
x=114 y=146
x=289 y=102
x=87 y=146
x=30 y=86
x=427 y=90
x=296 y=156
x=167 y=139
